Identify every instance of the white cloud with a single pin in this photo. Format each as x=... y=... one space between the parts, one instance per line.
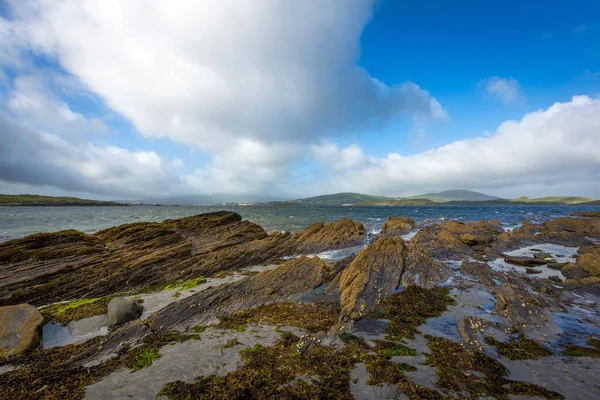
x=35 y=158
x=507 y=90
x=557 y=149
x=257 y=74
x=33 y=101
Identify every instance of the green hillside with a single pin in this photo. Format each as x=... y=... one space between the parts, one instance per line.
x=455 y=195
x=400 y=202
x=33 y=199
x=343 y=198
x=554 y=199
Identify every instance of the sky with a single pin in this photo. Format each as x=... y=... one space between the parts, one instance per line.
x=113 y=99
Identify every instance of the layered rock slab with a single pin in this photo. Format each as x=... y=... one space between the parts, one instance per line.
x=372 y=276
x=45 y=268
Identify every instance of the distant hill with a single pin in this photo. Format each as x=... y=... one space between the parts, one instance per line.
x=399 y=202
x=455 y=195
x=555 y=199
x=37 y=200
x=210 y=199
x=448 y=197
x=343 y=198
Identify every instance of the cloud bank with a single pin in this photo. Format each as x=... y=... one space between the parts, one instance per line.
x=265 y=88
x=556 y=149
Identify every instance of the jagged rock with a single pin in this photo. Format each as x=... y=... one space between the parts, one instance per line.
x=470 y=330
x=339 y=267
x=372 y=276
x=555 y=279
x=589 y=260
x=422 y=270
x=524 y=261
x=49 y=246
x=396 y=226
x=336 y=235
x=483 y=272
x=517 y=304
x=474 y=240
x=589 y=214
x=290 y=279
x=122 y=310
x=573 y=271
x=145 y=254
x=20 y=329
x=456 y=239
x=556 y=265
x=565 y=231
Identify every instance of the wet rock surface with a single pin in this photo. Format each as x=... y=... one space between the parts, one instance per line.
x=465 y=323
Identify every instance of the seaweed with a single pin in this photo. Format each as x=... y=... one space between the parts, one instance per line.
x=411 y=308
x=464 y=370
x=523 y=349
x=313 y=317
x=274 y=372
x=53 y=373
x=394 y=349
x=584 y=351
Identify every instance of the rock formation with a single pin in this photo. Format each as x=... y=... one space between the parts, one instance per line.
x=52 y=267
x=372 y=276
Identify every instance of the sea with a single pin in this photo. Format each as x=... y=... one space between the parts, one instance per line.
x=17 y=222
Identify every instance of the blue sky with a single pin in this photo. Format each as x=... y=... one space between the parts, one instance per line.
x=284 y=99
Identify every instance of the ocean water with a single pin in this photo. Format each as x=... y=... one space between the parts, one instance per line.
x=22 y=221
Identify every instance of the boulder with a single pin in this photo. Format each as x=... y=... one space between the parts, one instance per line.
x=122 y=310
x=20 y=329
x=396 y=226
x=372 y=276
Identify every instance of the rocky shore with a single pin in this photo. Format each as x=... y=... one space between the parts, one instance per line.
x=212 y=306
